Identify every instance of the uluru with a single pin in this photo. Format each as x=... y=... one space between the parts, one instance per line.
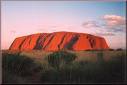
x=59 y=40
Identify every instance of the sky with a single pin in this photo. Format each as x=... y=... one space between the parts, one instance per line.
x=101 y=18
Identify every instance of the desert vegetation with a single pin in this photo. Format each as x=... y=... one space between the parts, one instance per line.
x=64 y=67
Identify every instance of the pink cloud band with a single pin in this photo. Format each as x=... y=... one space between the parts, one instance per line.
x=114 y=20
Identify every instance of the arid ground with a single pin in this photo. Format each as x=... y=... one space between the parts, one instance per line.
x=63 y=66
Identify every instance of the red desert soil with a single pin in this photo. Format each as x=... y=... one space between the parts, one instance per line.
x=59 y=40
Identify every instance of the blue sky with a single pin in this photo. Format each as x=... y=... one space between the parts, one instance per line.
x=21 y=18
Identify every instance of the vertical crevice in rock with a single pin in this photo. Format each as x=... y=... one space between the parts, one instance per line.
x=61 y=41
x=91 y=43
x=41 y=40
x=38 y=43
x=94 y=43
x=45 y=37
x=73 y=40
x=52 y=35
x=22 y=43
x=30 y=39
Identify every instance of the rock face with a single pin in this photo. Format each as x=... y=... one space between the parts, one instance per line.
x=58 y=41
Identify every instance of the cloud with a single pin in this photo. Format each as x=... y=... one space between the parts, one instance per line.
x=106 y=26
x=90 y=24
x=114 y=20
x=97 y=29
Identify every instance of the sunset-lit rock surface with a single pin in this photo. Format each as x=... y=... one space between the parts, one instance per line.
x=59 y=40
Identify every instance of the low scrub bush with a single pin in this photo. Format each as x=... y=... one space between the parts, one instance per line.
x=17 y=65
x=59 y=58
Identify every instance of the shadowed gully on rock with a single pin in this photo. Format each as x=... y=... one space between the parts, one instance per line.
x=58 y=41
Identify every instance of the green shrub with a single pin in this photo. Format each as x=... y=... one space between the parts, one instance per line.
x=59 y=58
x=19 y=65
